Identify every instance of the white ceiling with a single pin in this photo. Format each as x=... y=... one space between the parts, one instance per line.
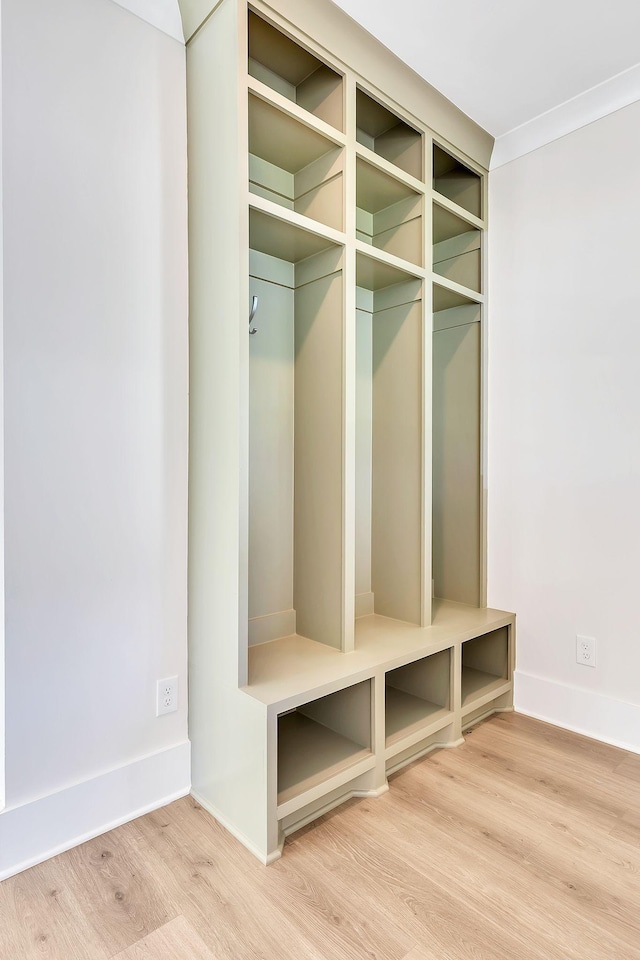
x=528 y=72
x=506 y=63
x=163 y=14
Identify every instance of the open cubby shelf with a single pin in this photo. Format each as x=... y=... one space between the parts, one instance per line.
x=456 y=249
x=456 y=181
x=375 y=274
x=322 y=738
x=448 y=294
x=288 y=68
x=284 y=240
x=379 y=129
x=417 y=695
x=388 y=213
x=294 y=165
x=485 y=666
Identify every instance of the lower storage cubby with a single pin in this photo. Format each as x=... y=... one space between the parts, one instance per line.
x=321 y=739
x=417 y=697
x=485 y=668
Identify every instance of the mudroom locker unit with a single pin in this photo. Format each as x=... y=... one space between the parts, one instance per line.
x=337 y=617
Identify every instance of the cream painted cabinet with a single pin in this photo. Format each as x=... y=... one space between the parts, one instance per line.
x=336 y=561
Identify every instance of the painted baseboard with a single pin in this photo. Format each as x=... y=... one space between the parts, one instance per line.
x=364 y=605
x=43 y=828
x=271 y=627
x=582 y=711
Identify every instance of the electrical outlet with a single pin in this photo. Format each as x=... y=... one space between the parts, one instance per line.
x=167 y=697
x=586 y=651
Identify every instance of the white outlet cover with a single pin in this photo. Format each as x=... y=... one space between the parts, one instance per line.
x=167 y=696
x=586 y=651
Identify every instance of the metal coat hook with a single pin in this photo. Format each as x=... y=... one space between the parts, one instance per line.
x=252 y=313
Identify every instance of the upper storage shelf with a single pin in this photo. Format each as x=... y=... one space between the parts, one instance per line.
x=292 y=71
x=387 y=135
x=374 y=274
x=284 y=240
x=389 y=213
x=456 y=249
x=457 y=182
x=294 y=165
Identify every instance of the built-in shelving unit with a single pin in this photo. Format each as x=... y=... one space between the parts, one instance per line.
x=337 y=621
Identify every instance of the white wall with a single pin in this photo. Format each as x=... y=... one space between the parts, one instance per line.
x=564 y=422
x=96 y=392
x=2 y=685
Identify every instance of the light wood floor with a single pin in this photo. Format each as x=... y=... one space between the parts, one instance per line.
x=524 y=843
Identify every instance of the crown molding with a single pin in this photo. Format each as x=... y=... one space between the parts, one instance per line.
x=163 y=14
x=607 y=97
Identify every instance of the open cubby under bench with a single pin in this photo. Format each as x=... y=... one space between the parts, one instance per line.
x=405 y=690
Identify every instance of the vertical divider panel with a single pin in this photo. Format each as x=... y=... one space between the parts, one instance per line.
x=318 y=450
x=379 y=730
x=364 y=411
x=427 y=400
x=484 y=395
x=456 y=690
x=349 y=372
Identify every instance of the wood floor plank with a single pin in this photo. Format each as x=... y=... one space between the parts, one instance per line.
x=628 y=828
x=562 y=873
x=331 y=908
x=555 y=739
x=602 y=796
x=41 y=917
x=440 y=918
x=217 y=884
x=116 y=885
x=177 y=940
x=423 y=953
x=549 y=820
x=563 y=845
x=522 y=844
x=629 y=768
x=316 y=906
